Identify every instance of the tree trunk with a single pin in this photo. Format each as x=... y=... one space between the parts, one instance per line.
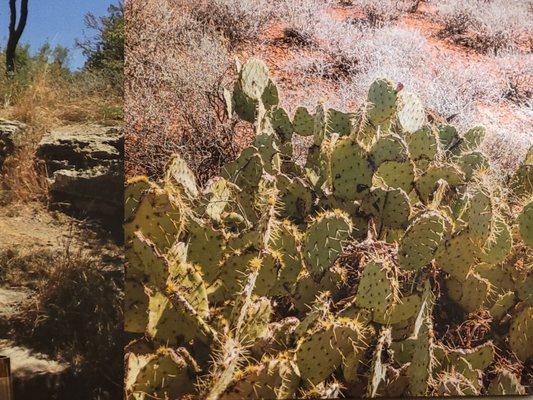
x=15 y=32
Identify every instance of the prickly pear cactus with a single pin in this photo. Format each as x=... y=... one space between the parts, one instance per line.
x=387 y=263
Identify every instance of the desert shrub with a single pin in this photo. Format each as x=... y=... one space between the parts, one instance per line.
x=174 y=69
x=379 y=13
x=303 y=19
x=448 y=86
x=517 y=72
x=238 y=20
x=488 y=26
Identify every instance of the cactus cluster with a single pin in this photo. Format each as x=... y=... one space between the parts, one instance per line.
x=332 y=277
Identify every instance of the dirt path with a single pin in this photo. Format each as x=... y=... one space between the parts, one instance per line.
x=27 y=227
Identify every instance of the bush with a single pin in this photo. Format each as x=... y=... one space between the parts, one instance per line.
x=517 y=71
x=239 y=21
x=75 y=315
x=301 y=18
x=380 y=13
x=105 y=50
x=487 y=26
x=175 y=67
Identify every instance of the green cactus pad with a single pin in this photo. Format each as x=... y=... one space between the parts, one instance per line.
x=135 y=302
x=499 y=244
x=205 y=248
x=270 y=96
x=457 y=255
x=406 y=308
x=389 y=148
x=421 y=240
x=499 y=276
x=148 y=374
x=472 y=162
x=502 y=304
x=170 y=325
x=276 y=378
x=521 y=334
x=135 y=188
x=254 y=78
x=216 y=198
x=338 y=122
x=525 y=223
x=267 y=278
x=390 y=207
x=382 y=98
x=324 y=239
x=155 y=265
x=296 y=197
x=423 y=362
x=505 y=383
x=178 y=174
x=423 y=144
x=448 y=136
x=282 y=125
x=427 y=183
x=394 y=174
x=246 y=170
x=307 y=289
x=471 y=294
x=159 y=216
x=378 y=288
x=471 y=140
x=378 y=369
x=411 y=113
x=244 y=106
x=303 y=122
x=286 y=242
x=269 y=152
x=351 y=172
x=453 y=383
x=320 y=352
x=479 y=216
x=256 y=320
x=477 y=358
x=229 y=280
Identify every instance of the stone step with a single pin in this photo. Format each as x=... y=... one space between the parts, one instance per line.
x=35 y=376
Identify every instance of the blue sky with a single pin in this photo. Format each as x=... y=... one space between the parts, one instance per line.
x=55 y=21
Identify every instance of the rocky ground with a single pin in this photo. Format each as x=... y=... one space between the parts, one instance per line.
x=81 y=219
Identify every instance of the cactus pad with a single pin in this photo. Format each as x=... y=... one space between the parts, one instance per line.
x=324 y=239
x=394 y=174
x=411 y=113
x=351 y=172
x=525 y=222
x=383 y=98
x=521 y=334
x=421 y=240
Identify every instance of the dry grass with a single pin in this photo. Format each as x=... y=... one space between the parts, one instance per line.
x=487 y=26
x=44 y=96
x=175 y=70
x=238 y=21
x=74 y=316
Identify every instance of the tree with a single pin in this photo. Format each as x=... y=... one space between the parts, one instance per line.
x=15 y=32
x=105 y=50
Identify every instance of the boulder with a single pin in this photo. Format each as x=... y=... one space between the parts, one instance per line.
x=11 y=137
x=35 y=376
x=85 y=167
